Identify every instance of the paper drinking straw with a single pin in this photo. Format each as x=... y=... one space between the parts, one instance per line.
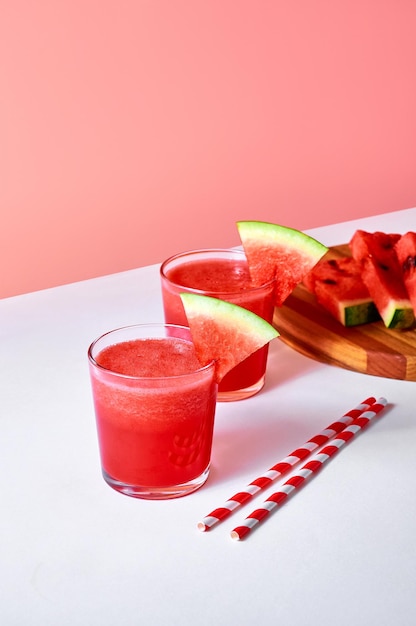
x=283 y=466
x=308 y=470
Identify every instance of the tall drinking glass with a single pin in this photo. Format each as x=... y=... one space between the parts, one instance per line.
x=223 y=274
x=154 y=407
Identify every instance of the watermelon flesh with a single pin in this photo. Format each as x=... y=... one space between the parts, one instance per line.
x=224 y=332
x=276 y=252
x=338 y=287
x=406 y=254
x=381 y=273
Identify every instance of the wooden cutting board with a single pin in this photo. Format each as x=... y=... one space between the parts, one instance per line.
x=369 y=348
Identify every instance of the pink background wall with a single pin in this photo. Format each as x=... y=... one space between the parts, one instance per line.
x=134 y=129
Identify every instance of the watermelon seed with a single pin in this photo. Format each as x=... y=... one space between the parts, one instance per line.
x=384 y=267
x=409 y=263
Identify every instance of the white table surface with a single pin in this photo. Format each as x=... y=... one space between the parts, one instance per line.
x=75 y=552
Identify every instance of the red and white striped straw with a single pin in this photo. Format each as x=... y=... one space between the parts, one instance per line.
x=283 y=466
x=308 y=470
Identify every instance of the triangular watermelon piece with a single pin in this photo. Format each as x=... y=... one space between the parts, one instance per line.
x=405 y=249
x=381 y=272
x=338 y=287
x=224 y=332
x=278 y=252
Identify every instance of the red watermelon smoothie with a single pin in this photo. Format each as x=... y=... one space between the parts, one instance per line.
x=154 y=407
x=223 y=274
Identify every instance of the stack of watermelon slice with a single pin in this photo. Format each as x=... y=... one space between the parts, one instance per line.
x=378 y=280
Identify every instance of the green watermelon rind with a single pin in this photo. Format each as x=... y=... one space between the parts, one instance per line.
x=358 y=313
x=398 y=315
x=349 y=313
x=199 y=305
x=278 y=234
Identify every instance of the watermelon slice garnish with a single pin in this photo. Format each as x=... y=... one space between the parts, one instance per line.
x=278 y=252
x=224 y=332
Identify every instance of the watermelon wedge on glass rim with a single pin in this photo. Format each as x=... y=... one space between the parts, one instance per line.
x=224 y=332
x=278 y=252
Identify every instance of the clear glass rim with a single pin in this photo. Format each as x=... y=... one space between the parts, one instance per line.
x=179 y=255
x=160 y=325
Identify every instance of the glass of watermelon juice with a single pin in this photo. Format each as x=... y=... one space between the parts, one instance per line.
x=154 y=407
x=223 y=274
